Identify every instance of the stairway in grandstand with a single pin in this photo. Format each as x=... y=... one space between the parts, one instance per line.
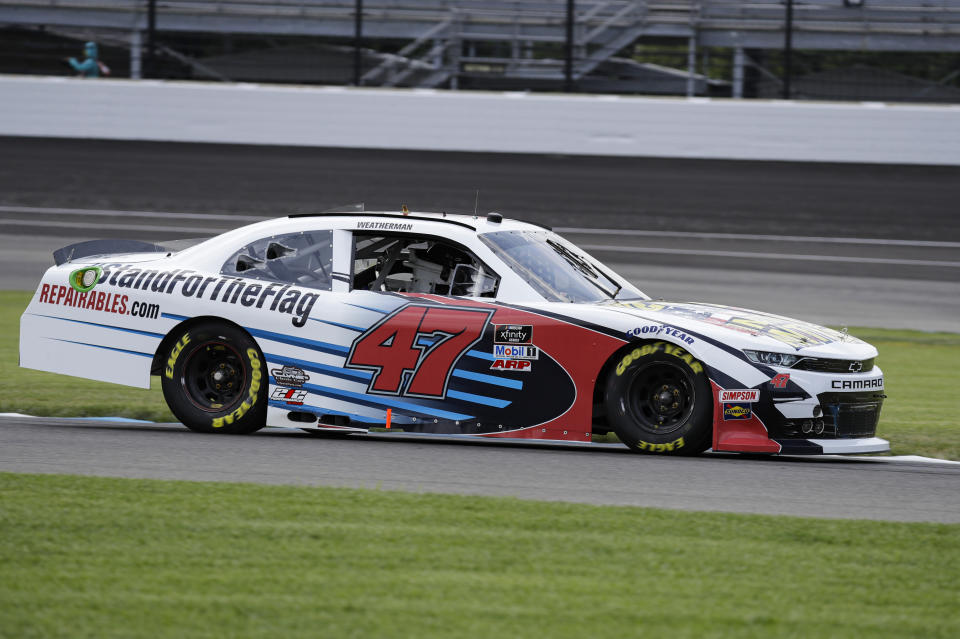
x=521 y=39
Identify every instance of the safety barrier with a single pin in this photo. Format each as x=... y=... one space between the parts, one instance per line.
x=479 y=122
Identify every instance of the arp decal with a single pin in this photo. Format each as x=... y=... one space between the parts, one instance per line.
x=747 y=395
x=737 y=411
x=519 y=365
x=401 y=364
x=780 y=380
x=290 y=376
x=291 y=396
x=512 y=334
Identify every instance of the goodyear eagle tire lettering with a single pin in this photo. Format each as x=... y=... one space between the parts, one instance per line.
x=657 y=400
x=213 y=379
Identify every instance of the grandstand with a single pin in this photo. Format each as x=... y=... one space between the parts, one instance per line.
x=519 y=43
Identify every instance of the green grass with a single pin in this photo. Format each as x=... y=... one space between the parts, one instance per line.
x=95 y=557
x=36 y=393
x=920 y=417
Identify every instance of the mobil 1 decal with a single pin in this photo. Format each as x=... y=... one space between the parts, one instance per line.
x=513 y=348
x=441 y=357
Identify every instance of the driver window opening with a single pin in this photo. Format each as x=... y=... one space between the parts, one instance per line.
x=404 y=264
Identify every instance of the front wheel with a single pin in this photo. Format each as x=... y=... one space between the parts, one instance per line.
x=213 y=379
x=658 y=400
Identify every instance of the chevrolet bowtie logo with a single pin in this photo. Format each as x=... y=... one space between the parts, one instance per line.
x=856 y=367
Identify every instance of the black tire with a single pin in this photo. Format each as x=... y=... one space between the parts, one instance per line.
x=212 y=379
x=658 y=400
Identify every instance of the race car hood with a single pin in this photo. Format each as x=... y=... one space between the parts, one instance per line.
x=744 y=328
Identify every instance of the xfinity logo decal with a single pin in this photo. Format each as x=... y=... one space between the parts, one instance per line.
x=512 y=333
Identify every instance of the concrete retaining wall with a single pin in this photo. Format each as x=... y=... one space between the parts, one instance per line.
x=472 y=121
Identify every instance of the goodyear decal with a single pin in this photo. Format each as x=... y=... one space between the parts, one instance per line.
x=658 y=347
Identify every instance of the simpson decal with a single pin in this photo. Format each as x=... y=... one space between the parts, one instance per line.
x=746 y=395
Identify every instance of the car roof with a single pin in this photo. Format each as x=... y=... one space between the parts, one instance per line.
x=484 y=223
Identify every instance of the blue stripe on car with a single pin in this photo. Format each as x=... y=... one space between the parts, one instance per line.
x=116 y=328
x=376 y=402
x=106 y=348
x=323 y=347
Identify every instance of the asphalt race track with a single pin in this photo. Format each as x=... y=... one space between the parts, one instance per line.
x=839 y=244
x=822 y=487
x=865 y=245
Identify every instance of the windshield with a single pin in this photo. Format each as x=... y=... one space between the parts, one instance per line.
x=557 y=269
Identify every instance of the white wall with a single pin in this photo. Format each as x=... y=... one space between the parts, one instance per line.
x=471 y=121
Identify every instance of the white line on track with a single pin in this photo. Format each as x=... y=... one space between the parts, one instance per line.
x=192 y=230
x=114 y=213
x=747 y=236
x=561 y=229
x=771 y=256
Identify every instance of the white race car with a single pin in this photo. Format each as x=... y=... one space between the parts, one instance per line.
x=435 y=323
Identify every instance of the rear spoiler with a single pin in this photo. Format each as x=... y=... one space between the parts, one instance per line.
x=104 y=247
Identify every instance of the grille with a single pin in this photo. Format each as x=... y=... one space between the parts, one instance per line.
x=851 y=420
x=821 y=365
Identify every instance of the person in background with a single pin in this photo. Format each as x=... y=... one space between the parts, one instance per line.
x=91 y=67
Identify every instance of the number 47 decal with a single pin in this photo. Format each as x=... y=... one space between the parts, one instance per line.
x=401 y=364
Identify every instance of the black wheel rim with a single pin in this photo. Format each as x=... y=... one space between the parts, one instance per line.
x=213 y=376
x=660 y=398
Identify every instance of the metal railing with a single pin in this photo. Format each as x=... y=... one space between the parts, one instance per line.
x=445 y=37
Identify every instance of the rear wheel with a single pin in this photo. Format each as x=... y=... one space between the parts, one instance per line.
x=213 y=380
x=658 y=400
